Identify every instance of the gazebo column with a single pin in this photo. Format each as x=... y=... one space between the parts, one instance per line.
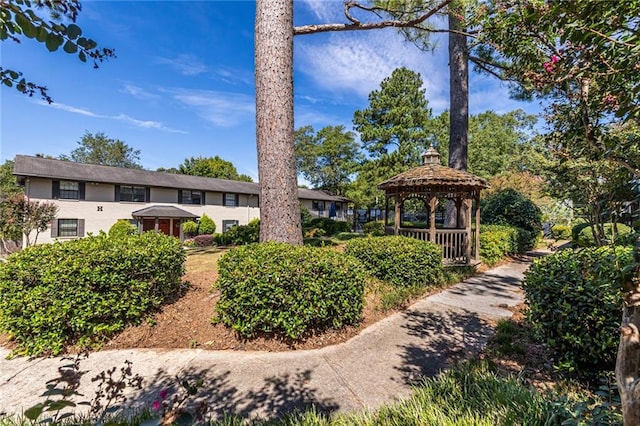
x=398 y=215
x=467 y=209
x=386 y=212
x=433 y=203
x=476 y=254
x=458 y=202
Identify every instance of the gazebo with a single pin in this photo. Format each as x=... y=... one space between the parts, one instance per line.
x=433 y=183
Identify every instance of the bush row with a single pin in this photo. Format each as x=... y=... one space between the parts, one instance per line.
x=499 y=241
x=582 y=234
x=80 y=291
x=574 y=299
x=329 y=226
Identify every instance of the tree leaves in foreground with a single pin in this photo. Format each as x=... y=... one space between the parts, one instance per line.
x=22 y=18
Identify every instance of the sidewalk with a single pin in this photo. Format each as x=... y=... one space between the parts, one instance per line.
x=377 y=367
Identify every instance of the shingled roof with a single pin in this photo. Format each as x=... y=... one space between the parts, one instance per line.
x=431 y=173
x=163 y=211
x=28 y=166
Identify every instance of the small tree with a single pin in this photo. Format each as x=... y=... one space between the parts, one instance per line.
x=207 y=225
x=122 y=228
x=19 y=214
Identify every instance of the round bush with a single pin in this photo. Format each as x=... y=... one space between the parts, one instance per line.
x=189 y=228
x=561 y=232
x=280 y=289
x=81 y=291
x=497 y=242
x=122 y=228
x=240 y=234
x=577 y=229
x=509 y=207
x=401 y=261
x=374 y=228
x=575 y=302
x=205 y=240
x=586 y=238
x=206 y=225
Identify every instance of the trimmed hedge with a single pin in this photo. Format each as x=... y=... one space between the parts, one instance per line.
x=585 y=236
x=205 y=240
x=280 y=289
x=330 y=226
x=509 y=207
x=81 y=291
x=401 y=261
x=121 y=228
x=561 y=232
x=374 y=228
x=575 y=302
x=240 y=234
x=497 y=242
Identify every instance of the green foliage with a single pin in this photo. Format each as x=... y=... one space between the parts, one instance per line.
x=305 y=215
x=288 y=290
x=189 y=227
x=204 y=240
x=497 y=242
x=213 y=167
x=561 y=232
x=509 y=207
x=586 y=238
x=99 y=149
x=20 y=215
x=328 y=158
x=401 y=261
x=575 y=299
x=206 y=225
x=374 y=228
x=240 y=235
x=579 y=226
x=81 y=291
x=330 y=226
x=122 y=228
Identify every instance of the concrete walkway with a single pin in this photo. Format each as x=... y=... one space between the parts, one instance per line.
x=377 y=367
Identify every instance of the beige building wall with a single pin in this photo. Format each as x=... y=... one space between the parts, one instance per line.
x=164 y=195
x=38 y=188
x=99 y=192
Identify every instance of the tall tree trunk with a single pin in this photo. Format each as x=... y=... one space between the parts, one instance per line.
x=458 y=103
x=279 y=204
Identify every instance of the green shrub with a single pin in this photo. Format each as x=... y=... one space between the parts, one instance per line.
x=561 y=232
x=190 y=228
x=574 y=299
x=346 y=236
x=497 y=242
x=80 y=291
x=305 y=215
x=586 y=239
x=401 y=261
x=577 y=229
x=314 y=233
x=509 y=207
x=205 y=240
x=206 y=225
x=122 y=228
x=240 y=234
x=287 y=290
x=374 y=228
x=330 y=226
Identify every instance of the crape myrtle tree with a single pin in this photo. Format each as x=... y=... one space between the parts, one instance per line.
x=582 y=56
x=21 y=216
x=21 y=19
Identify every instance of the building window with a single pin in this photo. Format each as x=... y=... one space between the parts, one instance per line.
x=134 y=194
x=317 y=205
x=67 y=227
x=230 y=200
x=190 y=197
x=69 y=190
x=228 y=224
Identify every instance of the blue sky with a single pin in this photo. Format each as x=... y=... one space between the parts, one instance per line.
x=182 y=82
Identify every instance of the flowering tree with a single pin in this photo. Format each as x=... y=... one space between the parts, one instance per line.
x=21 y=215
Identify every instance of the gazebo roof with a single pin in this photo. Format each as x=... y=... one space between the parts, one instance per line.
x=431 y=173
x=434 y=175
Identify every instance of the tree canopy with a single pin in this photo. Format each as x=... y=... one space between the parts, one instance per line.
x=20 y=18
x=99 y=149
x=213 y=167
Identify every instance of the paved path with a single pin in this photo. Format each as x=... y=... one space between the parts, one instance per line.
x=376 y=367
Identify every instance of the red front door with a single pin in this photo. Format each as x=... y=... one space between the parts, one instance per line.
x=163 y=226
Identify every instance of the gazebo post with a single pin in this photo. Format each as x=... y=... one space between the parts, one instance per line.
x=386 y=212
x=476 y=255
x=433 y=202
x=458 y=202
x=467 y=209
x=398 y=215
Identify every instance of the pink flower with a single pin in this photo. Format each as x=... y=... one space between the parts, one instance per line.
x=548 y=66
x=555 y=58
x=163 y=394
x=156 y=405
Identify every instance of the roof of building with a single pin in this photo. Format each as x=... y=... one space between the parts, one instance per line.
x=29 y=166
x=163 y=211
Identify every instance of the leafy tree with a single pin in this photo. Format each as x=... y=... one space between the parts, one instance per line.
x=396 y=120
x=213 y=167
x=327 y=159
x=21 y=215
x=22 y=18
x=99 y=149
x=8 y=183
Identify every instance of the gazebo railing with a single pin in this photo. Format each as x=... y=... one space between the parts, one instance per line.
x=454 y=242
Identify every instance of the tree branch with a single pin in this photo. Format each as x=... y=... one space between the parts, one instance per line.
x=357 y=25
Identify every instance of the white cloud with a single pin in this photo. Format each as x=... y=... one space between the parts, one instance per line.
x=224 y=109
x=234 y=76
x=185 y=64
x=146 y=124
x=138 y=92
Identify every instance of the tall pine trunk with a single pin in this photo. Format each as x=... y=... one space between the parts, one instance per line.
x=458 y=102
x=279 y=204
